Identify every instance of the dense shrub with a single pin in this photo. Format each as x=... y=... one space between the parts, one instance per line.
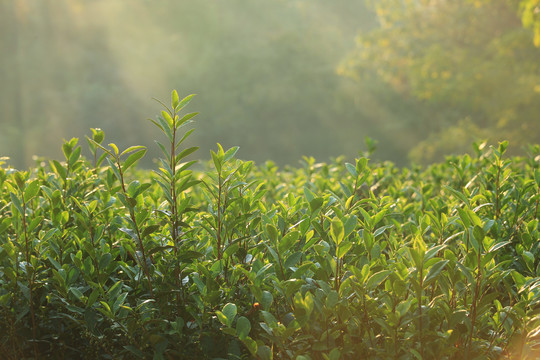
x=324 y=261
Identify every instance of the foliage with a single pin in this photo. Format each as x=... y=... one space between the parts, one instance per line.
x=100 y=260
x=530 y=15
x=462 y=60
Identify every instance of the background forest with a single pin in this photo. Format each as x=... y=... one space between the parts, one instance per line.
x=281 y=79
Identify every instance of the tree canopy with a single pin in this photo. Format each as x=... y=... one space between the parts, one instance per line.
x=471 y=64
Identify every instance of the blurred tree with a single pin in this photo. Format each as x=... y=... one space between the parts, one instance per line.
x=530 y=15
x=458 y=59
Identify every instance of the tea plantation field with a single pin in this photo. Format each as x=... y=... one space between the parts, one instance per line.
x=360 y=260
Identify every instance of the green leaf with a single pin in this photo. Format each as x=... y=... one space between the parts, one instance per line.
x=309 y=194
x=350 y=224
x=351 y=169
x=78 y=294
x=335 y=354
x=434 y=271
x=343 y=248
x=332 y=299
x=367 y=218
x=230 y=153
x=115 y=148
x=75 y=155
x=305 y=302
x=498 y=245
x=185 y=101
x=55 y=263
x=337 y=231
x=377 y=278
x=175 y=100
x=188 y=256
x=162 y=124
x=269 y=319
x=315 y=204
x=185 y=153
x=266 y=300
x=466 y=272
x=114 y=169
x=222 y=318
x=478 y=233
x=459 y=195
x=135 y=351
x=66 y=149
x=503 y=145
x=60 y=169
x=132 y=234
x=106 y=310
x=158 y=249
x=272 y=232
x=243 y=327
x=104 y=261
x=17 y=203
x=288 y=241
x=293 y=259
x=529 y=259
x=170 y=122
x=264 y=353
x=381 y=230
x=217 y=161
x=185 y=137
x=119 y=301
x=229 y=311
x=361 y=164
x=230 y=250
x=185 y=120
x=251 y=345
x=98 y=135
x=150 y=229
x=403 y=307
x=132 y=149
x=133 y=158
x=92 y=298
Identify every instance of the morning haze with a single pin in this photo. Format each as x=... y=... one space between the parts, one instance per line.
x=280 y=79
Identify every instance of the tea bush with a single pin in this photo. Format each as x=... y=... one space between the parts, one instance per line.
x=99 y=260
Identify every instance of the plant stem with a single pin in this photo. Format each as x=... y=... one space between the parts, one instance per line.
x=219 y=225
x=474 y=302
x=30 y=277
x=497 y=189
x=420 y=323
x=134 y=220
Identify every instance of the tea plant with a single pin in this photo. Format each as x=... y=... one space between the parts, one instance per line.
x=99 y=259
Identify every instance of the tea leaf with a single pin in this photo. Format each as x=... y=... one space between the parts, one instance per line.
x=351 y=169
x=229 y=311
x=175 y=100
x=17 y=203
x=243 y=327
x=287 y=241
x=434 y=271
x=377 y=278
x=133 y=158
x=337 y=230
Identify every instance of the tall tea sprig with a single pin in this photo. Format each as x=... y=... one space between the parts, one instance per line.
x=173 y=174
